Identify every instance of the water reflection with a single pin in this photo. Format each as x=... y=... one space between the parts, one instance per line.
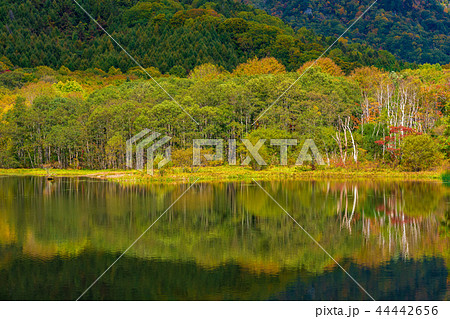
x=229 y=238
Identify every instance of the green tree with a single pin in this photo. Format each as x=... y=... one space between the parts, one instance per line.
x=419 y=152
x=178 y=71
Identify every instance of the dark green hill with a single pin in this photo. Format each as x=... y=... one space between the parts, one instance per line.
x=162 y=34
x=414 y=30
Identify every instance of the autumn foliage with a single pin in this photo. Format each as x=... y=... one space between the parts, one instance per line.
x=325 y=64
x=260 y=66
x=392 y=142
x=205 y=71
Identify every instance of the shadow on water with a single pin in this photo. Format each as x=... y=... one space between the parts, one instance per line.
x=138 y=279
x=395 y=280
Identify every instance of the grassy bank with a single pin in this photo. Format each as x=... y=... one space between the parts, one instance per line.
x=231 y=173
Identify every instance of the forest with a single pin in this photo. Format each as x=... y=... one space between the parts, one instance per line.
x=173 y=36
x=413 y=30
x=82 y=119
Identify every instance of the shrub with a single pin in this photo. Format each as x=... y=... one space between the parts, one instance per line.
x=419 y=152
x=182 y=158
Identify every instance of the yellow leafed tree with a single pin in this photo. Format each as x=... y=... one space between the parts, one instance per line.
x=205 y=71
x=260 y=66
x=325 y=64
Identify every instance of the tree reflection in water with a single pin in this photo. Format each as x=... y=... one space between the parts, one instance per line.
x=390 y=234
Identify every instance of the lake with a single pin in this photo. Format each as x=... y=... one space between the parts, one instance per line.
x=223 y=241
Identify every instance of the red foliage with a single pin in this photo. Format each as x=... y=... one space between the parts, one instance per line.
x=395 y=137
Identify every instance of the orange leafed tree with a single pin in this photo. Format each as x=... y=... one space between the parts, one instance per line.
x=260 y=66
x=325 y=64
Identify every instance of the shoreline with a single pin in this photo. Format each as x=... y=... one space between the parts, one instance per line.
x=227 y=174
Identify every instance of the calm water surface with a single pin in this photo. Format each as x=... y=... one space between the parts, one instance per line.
x=223 y=241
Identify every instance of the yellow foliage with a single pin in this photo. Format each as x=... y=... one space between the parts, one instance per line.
x=205 y=71
x=114 y=71
x=325 y=64
x=3 y=66
x=34 y=90
x=6 y=102
x=260 y=66
x=367 y=76
x=69 y=86
x=343 y=40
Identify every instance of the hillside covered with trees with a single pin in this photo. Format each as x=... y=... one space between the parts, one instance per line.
x=170 y=35
x=414 y=30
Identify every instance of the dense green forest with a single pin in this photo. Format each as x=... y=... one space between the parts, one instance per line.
x=414 y=30
x=165 y=34
x=82 y=119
